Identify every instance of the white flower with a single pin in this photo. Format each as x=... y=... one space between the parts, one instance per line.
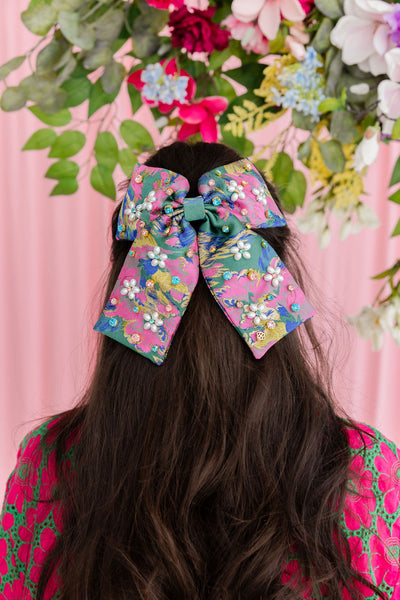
x=360 y=89
x=241 y=250
x=390 y=318
x=148 y=201
x=392 y=59
x=130 y=288
x=367 y=150
x=367 y=216
x=237 y=190
x=158 y=257
x=313 y=218
x=389 y=98
x=346 y=229
x=133 y=212
x=364 y=35
x=257 y=313
x=274 y=276
x=260 y=194
x=152 y=321
x=368 y=325
x=324 y=237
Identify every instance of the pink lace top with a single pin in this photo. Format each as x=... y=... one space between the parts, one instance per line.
x=29 y=528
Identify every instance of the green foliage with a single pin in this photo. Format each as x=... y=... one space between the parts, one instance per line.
x=395 y=178
x=63 y=117
x=39 y=17
x=13 y=98
x=63 y=169
x=106 y=150
x=10 y=66
x=291 y=183
x=102 y=180
x=332 y=155
x=98 y=97
x=136 y=136
x=43 y=138
x=65 y=187
x=396 y=130
x=127 y=160
x=67 y=144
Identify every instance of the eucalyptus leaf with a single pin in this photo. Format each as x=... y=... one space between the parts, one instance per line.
x=136 y=136
x=78 y=90
x=13 y=98
x=79 y=34
x=43 y=138
x=100 y=55
x=304 y=150
x=329 y=8
x=322 y=41
x=10 y=66
x=67 y=70
x=99 y=98
x=334 y=73
x=48 y=57
x=65 y=187
x=106 y=150
x=127 y=160
x=395 y=178
x=332 y=155
x=53 y=103
x=63 y=117
x=67 y=4
x=102 y=181
x=67 y=144
x=112 y=78
x=343 y=127
x=39 y=18
x=109 y=25
x=38 y=87
x=302 y=121
x=144 y=43
x=62 y=169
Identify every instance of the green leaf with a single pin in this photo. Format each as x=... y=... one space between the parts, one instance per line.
x=282 y=170
x=113 y=76
x=10 y=66
x=64 y=187
x=396 y=130
x=144 y=43
x=261 y=164
x=293 y=195
x=396 y=230
x=102 y=181
x=249 y=77
x=334 y=73
x=332 y=155
x=99 y=98
x=322 y=41
x=395 y=178
x=395 y=197
x=278 y=43
x=330 y=104
x=241 y=144
x=100 y=55
x=127 y=160
x=78 y=90
x=109 y=25
x=106 y=150
x=329 y=8
x=48 y=57
x=136 y=136
x=302 y=121
x=135 y=97
x=66 y=4
x=67 y=144
x=39 y=18
x=343 y=127
x=63 y=117
x=13 y=98
x=43 y=138
x=304 y=150
x=63 y=169
x=218 y=58
x=78 y=33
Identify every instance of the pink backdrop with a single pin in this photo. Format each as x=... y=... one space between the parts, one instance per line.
x=54 y=256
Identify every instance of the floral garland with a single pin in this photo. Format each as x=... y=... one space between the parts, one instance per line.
x=221 y=71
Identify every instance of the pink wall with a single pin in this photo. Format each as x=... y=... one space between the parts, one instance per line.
x=54 y=255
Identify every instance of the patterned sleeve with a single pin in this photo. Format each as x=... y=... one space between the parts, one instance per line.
x=27 y=526
x=371 y=518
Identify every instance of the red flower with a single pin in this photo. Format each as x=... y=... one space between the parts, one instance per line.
x=307 y=5
x=196 y=32
x=200 y=117
x=164 y=4
x=170 y=69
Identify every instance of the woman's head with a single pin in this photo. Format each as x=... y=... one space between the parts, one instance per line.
x=196 y=479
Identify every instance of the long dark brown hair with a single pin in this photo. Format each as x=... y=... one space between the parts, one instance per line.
x=197 y=479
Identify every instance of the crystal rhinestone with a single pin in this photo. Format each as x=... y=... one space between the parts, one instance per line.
x=247 y=166
x=248 y=225
x=168 y=209
x=167 y=230
x=269 y=214
x=218 y=173
x=114 y=301
x=212 y=249
x=260 y=335
x=145 y=232
x=271 y=324
x=295 y=307
x=189 y=253
x=138 y=179
x=150 y=283
x=252 y=275
x=216 y=201
x=175 y=280
x=243 y=212
x=269 y=297
x=227 y=275
x=168 y=308
x=290 y=287
x=136 y=338
x=141 y=223
x=120 y=227
x=154 y=348
x=211 y=182
x=135 y=309
x=239 y=304
x=113 y=322
x=243 y=182
x=169 y=191
x=264 y=244
x=225 y=228
x=132 y=253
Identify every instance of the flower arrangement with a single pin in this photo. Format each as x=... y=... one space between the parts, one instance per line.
x=222 y=71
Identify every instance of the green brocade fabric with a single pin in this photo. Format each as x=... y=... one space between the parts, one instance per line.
x=371 y=522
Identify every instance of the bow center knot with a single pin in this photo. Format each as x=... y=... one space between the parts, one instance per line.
x=194 y=209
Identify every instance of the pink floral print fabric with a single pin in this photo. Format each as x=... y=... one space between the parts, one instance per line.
x=245 y=275
x=370 y=520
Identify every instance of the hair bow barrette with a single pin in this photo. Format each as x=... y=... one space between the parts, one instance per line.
x=245 y=275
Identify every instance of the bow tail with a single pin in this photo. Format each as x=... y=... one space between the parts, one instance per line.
x=152 y=291
x=253 y=287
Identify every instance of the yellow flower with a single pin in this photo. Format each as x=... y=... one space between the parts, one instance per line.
x=271 y=80
x=319 y=172
x=347 y=186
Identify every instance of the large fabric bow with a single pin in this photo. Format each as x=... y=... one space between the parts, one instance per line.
x=245 y=275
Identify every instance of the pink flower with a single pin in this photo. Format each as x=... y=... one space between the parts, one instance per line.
x=384 y=552
x=17 y=591
x=200 y=117
x=360 y=502
x=251 y=36
x=196 y=32
x=359 y=562
x=307 y=5
x=388 y=466
x=389 y=99
x=165 y=4
x=296 y=40
x=268 y=13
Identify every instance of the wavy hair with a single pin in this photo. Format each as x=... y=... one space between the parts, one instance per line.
x=196 y=479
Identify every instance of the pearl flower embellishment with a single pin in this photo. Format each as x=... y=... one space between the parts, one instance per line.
x=257 y=313
x=261 y=195
x=241 y=250
x=130 y=288
x=133 y=212
x=237 y=190
x=274 y=276
x=148 y=201
x=152 y=321
x=158 y=257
